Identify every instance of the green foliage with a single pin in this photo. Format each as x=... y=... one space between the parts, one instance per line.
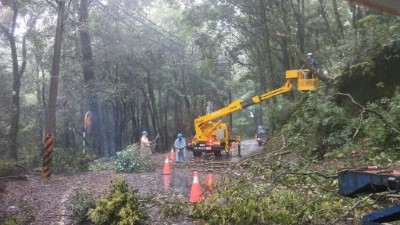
x=71 y=160
x=383 y=138
x=289 y=200
x=130 y=160
x=79 y=203
x=329 y=131
x=314 y=128
x=375 y=140
x=180 y=206
x=381 y=27
x=8 y=168
x=102 y=164
x=30 y=155
x=121 y=206
x=24 y=215
x=244 y=127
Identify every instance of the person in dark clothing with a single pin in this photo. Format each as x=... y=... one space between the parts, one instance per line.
x=313 y=62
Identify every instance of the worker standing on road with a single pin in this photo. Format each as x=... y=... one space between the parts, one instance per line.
x=145 y=145
x=180 y=147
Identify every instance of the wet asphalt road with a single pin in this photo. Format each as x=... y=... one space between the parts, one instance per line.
x=181 y=179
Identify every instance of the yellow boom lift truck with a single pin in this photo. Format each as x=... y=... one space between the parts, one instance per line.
x=214 y=136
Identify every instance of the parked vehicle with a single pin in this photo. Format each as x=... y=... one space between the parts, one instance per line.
x=262 y=135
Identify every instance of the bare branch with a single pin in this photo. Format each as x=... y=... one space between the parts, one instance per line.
x=14 y=20
x=306 y=174
x=359 y=125
x=352 y=208
x=5 y=30
x=52 y=4
x=364 y=109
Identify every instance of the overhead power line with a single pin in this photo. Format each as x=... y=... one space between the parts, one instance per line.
x=145 y=22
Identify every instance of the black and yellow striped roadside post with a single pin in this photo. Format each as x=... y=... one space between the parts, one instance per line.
x=227 y=147
x=238 y=145
x=47 y=155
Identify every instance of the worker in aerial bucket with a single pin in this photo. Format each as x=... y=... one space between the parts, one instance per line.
x=313 y=62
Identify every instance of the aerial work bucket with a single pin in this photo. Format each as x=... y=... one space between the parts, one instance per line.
x=306 y=81
x=292 y=74
x=307 y=84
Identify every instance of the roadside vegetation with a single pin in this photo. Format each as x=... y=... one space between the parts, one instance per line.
x=291 y=182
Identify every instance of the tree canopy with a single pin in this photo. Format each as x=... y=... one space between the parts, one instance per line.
x=157 y=65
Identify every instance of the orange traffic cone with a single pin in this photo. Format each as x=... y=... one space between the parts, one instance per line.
x=210 y=181
x=167 y=182
x=195 y=192
x=167 y=168
x=172 y=155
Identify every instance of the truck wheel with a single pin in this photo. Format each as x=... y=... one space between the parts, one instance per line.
x=197 y=154
x=217 y=153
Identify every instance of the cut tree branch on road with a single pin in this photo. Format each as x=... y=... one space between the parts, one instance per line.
x=352 y=208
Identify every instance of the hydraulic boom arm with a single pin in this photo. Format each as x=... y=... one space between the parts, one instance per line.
x=204 y=125
x=202 y=133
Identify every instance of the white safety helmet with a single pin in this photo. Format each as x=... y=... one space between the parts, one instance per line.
x=309 y=54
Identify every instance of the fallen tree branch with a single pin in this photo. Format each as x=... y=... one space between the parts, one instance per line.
x=352 y=208
x=14 y=178
x=306 y=174
x=364 y=109
x=290 y=173
x=275 y=153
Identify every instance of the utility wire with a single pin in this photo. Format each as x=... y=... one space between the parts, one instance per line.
x=155 y=24
x=182 y=53
x=113 y=11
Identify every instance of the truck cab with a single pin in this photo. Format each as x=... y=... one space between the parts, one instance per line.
x=262 y=135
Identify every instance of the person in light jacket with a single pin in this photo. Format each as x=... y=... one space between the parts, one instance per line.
x=145 y=145
x=180 y=148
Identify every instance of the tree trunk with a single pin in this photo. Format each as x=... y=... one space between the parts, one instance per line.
x=55 y=71
x=15 y=106
x=337 y=17
x=299 y=15
x=41 y=116
x=294 y=48
x=120 y=121
x=153 y=111
x=165 y=125
x=326 y=19
x=97 y=134
x=17 y=75
x=134 y=121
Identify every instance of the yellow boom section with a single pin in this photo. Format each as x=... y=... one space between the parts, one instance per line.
x=204 y=125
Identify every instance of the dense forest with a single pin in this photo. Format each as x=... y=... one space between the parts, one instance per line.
x=156 y=65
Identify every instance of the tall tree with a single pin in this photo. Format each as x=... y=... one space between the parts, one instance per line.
x=17 y=71
x=97 y=130
x=327 y=21
x=55 y=70
x=337 y=18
